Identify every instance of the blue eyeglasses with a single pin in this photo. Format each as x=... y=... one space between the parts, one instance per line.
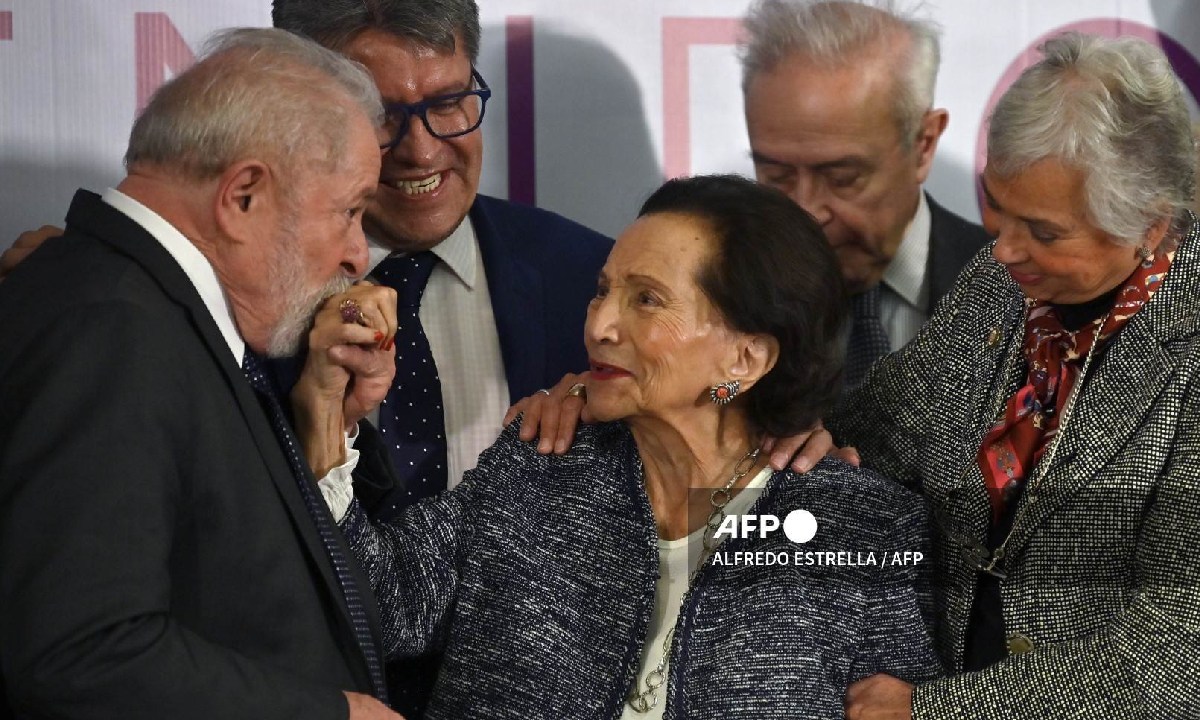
x=444 y=116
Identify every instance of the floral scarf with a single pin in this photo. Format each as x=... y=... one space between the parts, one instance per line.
x=1054 y=356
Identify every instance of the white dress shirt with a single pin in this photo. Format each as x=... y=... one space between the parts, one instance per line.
x=904 y=292
x=204 y=279
x=456 y=313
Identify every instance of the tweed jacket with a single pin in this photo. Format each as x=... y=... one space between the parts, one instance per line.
x=536 y=577
x=1101 y=599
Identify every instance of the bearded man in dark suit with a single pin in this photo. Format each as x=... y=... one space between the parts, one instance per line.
x=160 y=555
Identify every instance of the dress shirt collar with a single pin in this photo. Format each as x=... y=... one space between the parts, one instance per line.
x=906 y=273
x=459 y=252
x=197 y=267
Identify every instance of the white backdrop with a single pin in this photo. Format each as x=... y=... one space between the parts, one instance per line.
x=594 y=101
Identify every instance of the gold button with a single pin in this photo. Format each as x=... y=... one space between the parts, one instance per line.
x=993 y=337
x=1019 y=644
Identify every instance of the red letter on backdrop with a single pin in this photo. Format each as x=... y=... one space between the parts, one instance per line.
x=159 y=49
x=6 y=25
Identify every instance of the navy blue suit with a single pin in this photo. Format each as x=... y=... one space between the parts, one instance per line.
x=541 y=270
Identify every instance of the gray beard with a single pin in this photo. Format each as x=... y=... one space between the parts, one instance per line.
x=298 y=316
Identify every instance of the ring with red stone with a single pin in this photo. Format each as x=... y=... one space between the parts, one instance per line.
x=352 y=312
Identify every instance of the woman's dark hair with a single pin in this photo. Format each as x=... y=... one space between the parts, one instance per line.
x=773 y=273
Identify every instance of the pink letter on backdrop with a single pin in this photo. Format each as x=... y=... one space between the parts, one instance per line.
x=6 y=25
x=679 y=34
x=158 y=46
x=522 y=165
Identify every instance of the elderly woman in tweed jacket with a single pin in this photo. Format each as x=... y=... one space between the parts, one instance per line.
x=581 y=585
x=1050 y=409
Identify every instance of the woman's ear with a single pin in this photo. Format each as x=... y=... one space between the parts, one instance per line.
x=1155 y=234
x=756 y=355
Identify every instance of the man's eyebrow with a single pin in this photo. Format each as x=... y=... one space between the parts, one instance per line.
x=850 y=161
x=760 y=159
x=449 y=89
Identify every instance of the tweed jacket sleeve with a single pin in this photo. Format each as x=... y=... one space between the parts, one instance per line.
x=1101 y=588
x=1140 y=664
x=414 y=561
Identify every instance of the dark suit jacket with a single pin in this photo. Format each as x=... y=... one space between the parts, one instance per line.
x=156 y=558
x=953 y=241
x=541 y=271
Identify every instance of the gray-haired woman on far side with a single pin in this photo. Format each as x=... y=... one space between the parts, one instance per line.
x=1050 y=410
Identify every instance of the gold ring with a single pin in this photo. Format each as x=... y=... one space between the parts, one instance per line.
x=352 y=312
x=578 y=390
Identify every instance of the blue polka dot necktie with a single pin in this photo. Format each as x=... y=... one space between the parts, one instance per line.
x=868 y=339
x=411 y=419
x=254 y=367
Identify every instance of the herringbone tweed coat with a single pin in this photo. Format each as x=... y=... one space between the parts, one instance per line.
x=1102 y=594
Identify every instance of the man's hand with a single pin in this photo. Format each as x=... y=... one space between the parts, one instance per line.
x=551 y=415
x=347 y=374
x=804 y=450
x=26 y=243
x=879 y=697
x=365 y=707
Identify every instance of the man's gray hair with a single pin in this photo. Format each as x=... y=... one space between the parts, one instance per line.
x=835 y=34
x=255 y=92
x=335 y=23
x=1113 y=109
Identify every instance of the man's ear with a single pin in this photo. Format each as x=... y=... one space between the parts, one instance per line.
x=245 y=197
x=756 y=355
x=933 y=124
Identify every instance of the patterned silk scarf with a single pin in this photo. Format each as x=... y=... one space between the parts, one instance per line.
x=1054 y=355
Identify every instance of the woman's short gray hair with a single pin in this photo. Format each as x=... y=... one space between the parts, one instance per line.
x=839 y=33
x=1113 y=109
x=255 y=92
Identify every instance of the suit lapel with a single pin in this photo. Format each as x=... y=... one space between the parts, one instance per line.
x=95 y=217
x=517 y=301
x=952 y=243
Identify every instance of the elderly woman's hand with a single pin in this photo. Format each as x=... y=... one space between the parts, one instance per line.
x=879 y=697
x=348 y=371
x=552 y=415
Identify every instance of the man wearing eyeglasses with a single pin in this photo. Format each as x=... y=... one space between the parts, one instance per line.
x=505 y=287
x=502 y=308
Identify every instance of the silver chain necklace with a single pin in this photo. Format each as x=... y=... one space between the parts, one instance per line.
x=645 y=700
x=976 y=553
